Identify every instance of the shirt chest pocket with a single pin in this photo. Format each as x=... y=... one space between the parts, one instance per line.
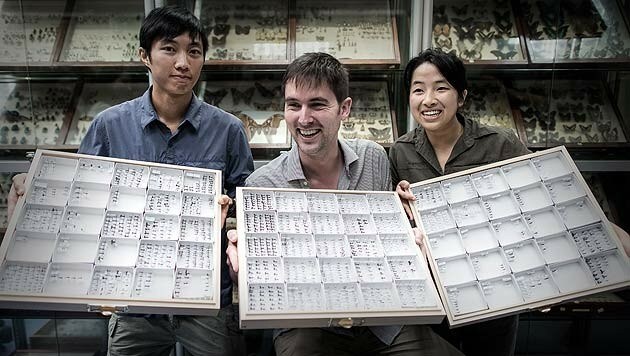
x=462 y=166
x=415 y=171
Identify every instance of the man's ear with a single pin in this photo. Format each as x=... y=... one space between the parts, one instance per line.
x=462 y=99
x=344 y=108
x=144 y=56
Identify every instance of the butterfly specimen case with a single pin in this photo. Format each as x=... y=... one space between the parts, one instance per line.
x=517 y=235
x=40 y=121
x=561 y=32
x=69 y=32
x=318 y=258
x=86 y=42
x=367 y=36
x=488 y=103
x=31 y=37
x=96 y=97
x=103 y=234
x=246 y=31
x=487 y=31
x=86 y=46
x=258 y=33
x=259 y=105
x=371 y=116
x=484 y=31
x=579 y=112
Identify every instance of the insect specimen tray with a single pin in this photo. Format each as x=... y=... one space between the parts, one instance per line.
x=516 y=235
x=319 y=258
x=105 y=234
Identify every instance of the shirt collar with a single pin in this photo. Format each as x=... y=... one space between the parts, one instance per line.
x=192 y=114
x=294 y=167
x=472 y=131
x=349 y=156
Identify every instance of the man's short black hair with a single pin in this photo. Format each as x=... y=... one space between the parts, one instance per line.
x=311 y=70
x=451 y=67
x=169 y=22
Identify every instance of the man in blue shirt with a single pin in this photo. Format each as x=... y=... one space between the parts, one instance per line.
x=168 y=124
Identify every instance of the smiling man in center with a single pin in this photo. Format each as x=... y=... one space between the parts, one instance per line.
x=316 y=95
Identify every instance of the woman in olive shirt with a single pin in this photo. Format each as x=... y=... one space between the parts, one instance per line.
x=446 y=142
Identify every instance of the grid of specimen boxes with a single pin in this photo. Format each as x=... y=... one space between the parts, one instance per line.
x=517 y=233
x=328 y=251
x=107 y=228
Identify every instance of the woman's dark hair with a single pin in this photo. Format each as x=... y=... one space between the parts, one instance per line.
x=311 y=70
x=448 y=64
x=169 y=22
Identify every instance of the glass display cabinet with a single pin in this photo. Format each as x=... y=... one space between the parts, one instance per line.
x=64 y=61
x=554 y=72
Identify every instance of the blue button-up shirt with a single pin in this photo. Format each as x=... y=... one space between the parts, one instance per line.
x=207 y=137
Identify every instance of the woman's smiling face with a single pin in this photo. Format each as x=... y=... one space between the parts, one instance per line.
x=432 y=99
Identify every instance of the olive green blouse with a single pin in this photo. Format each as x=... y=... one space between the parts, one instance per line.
x=413 y=159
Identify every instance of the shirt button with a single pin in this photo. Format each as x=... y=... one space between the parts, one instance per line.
x=305 y=184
